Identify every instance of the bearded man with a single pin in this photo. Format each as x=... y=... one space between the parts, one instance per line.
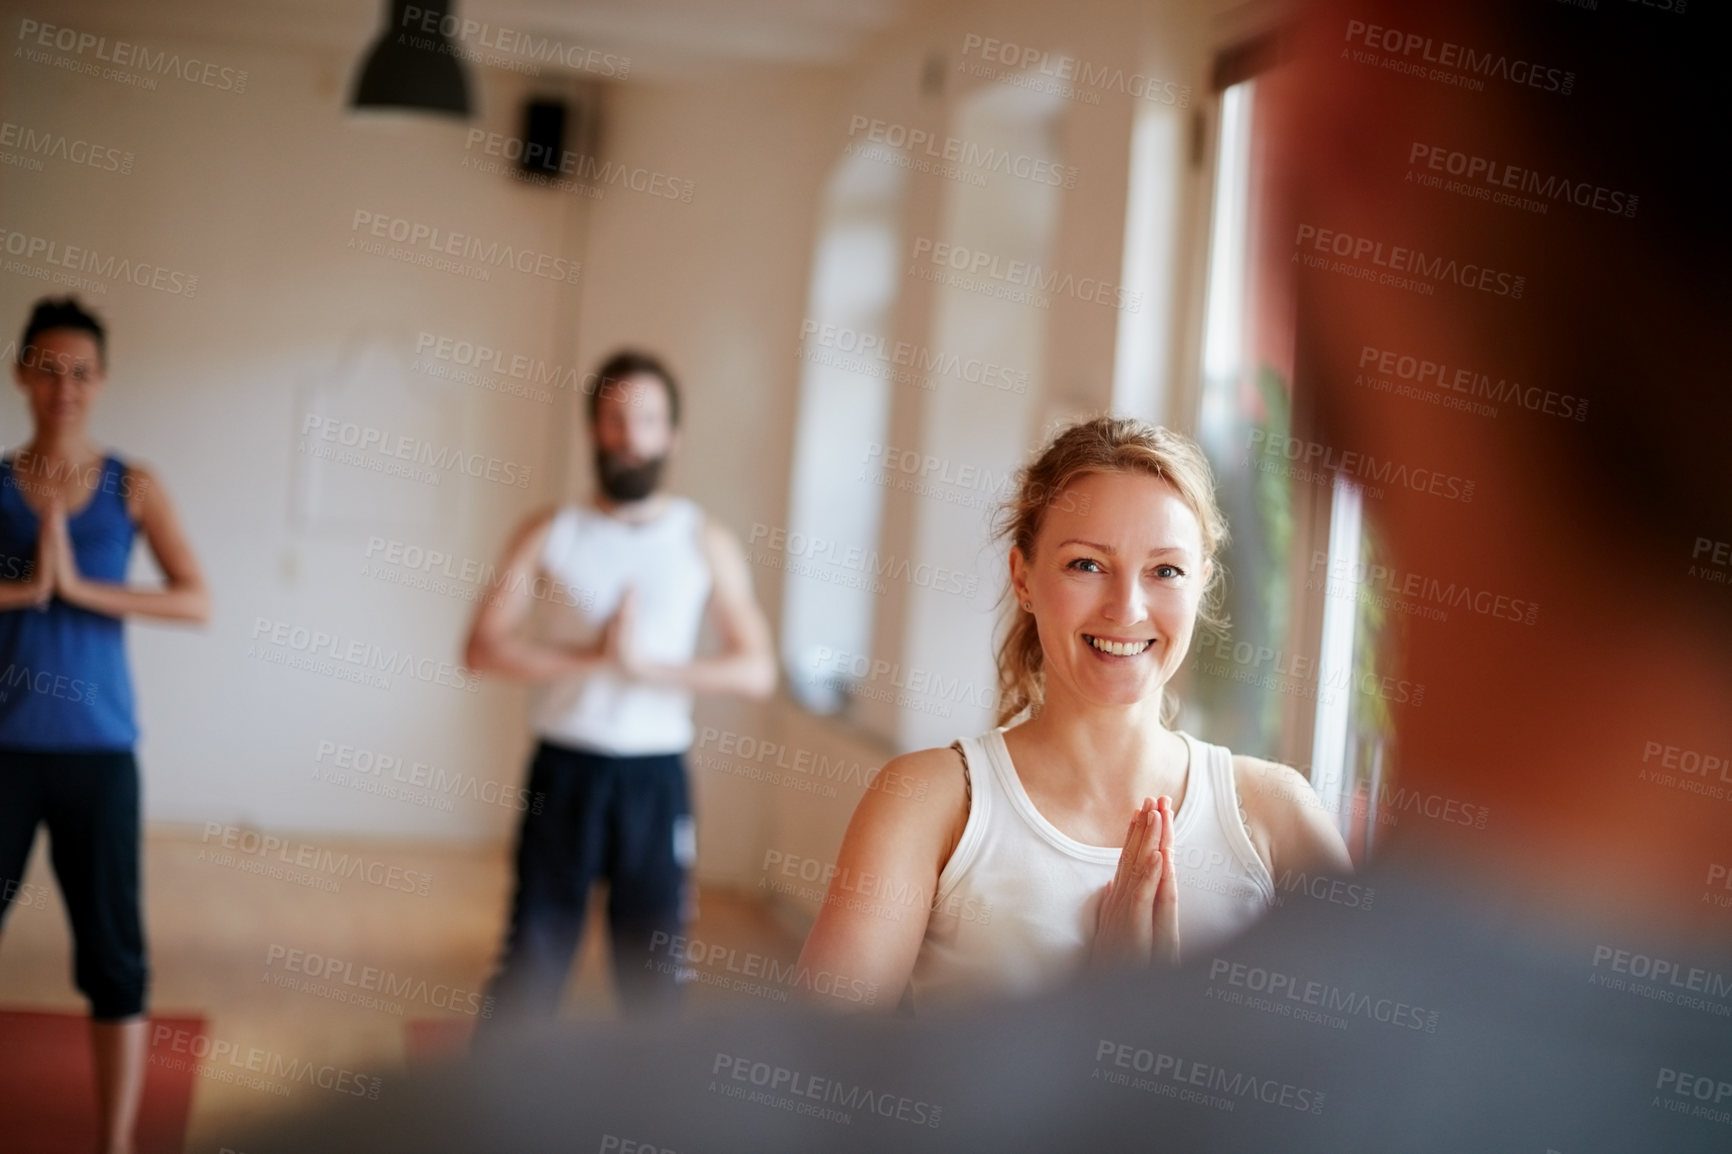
x=625 y=583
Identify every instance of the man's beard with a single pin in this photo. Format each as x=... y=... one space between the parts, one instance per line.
x=626 y=483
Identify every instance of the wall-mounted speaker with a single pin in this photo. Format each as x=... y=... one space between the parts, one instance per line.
x=559 y=136
x=544 y=122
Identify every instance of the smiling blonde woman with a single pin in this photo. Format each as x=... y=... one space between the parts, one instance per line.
x=1087 y=834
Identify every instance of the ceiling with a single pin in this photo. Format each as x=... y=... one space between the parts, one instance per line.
x=661 y=37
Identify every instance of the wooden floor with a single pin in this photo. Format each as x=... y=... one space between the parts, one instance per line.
x=221 y=931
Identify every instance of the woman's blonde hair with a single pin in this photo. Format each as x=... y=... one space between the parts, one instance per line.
x=1099 y=445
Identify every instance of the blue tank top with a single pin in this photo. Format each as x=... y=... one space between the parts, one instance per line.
x=64 y=681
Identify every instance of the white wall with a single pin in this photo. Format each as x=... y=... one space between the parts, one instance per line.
x=256 y=193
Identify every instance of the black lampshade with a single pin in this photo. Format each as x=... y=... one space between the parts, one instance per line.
x=412 y=68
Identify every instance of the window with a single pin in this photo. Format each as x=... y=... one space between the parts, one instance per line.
x=1286 y=681
x=901 y=643
x=1237 y=677
x=843 y=404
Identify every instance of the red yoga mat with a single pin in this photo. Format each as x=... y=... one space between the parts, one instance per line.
x=428 y=1041
x=48 y=1087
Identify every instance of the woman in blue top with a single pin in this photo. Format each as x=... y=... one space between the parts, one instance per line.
x=68 y=515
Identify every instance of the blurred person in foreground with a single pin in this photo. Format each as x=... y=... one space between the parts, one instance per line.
x=633 y=573
x=1560 y=980
x=69 y=513
x=1020 y=835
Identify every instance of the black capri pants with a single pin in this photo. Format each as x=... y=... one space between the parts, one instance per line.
x=89 y=802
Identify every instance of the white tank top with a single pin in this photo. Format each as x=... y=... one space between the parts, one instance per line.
x=1017 y=902
x=597 y=556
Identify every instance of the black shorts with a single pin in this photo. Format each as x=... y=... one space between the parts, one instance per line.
x=598 y=817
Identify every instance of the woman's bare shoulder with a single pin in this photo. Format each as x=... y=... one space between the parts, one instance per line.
x=922 y=796
x=940 y=763
x=1287 y=821
x=1264 y=784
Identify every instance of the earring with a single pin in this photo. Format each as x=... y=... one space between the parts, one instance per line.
x=1028 y=605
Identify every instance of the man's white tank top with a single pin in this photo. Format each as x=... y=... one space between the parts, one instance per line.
x=1017 y=902
x=596 y=556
